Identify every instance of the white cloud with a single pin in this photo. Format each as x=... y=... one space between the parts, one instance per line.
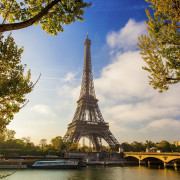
x=42 y=109
x=126 y=38
x=131 y=105
x=66 y=103
x=69 y=92
x=124 y=78
x=69 y=77
x=163 y=124
x=161 y=129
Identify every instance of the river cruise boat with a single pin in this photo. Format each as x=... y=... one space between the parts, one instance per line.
x=58 y=164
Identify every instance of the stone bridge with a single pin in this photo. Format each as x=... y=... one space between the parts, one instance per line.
x=148 y=157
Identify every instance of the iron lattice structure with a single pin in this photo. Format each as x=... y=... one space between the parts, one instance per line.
x=88 y=121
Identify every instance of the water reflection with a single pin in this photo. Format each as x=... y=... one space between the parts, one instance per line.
x=97 y=173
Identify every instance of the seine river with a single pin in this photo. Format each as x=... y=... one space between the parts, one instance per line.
x=97 y=173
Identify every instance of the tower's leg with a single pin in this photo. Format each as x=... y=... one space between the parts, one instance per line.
x=111 y=140
x=96 y=143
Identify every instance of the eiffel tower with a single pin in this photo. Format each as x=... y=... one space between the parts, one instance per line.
x=88 y=121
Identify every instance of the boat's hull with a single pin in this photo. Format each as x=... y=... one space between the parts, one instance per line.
x=58 y=164
x=57 y=167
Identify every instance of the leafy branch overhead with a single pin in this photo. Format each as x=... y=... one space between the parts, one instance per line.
x=51 y=14
x=161 y=47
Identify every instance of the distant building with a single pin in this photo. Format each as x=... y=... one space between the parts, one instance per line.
x=148 y=150
x=153 y=150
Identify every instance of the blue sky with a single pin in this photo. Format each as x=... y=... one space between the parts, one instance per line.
x=133 y=109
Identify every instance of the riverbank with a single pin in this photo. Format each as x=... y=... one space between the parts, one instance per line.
x=101 y=158
x=120 y=163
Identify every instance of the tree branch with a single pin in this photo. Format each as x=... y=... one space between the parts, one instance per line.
x=36 y=81
x=21 y=25
x=31 y=87
x=175 y=79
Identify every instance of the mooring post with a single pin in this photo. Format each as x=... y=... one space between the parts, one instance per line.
x=175 y=166
x=165 y=164
x=140 y=162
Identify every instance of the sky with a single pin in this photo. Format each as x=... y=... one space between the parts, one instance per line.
x=133 y=109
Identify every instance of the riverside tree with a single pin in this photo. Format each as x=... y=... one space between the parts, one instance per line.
x=51 y=14
x=14 y=84
x=43 y=143
x=57 y=142
x=161 y=47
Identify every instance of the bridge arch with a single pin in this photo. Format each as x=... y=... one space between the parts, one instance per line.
x=134 y=158
x=152 y=158
x=153 y=161
x=174 y=159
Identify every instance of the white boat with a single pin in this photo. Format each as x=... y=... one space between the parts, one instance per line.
x=57 y=164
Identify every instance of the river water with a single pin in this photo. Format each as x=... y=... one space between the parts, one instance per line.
x=96 y=173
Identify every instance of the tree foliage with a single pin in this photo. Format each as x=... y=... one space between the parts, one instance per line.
x=165 y=146
x=43 y=143
x=14 y=85
x=57 y=142
x=161 y=47
x=74 y=147
x=149 y=144
x=7 y=135
x=9 y=145
x=51 y=14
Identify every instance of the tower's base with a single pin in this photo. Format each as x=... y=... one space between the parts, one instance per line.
x=93 y=131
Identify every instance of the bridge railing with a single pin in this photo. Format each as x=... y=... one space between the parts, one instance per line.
x=153 y=153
